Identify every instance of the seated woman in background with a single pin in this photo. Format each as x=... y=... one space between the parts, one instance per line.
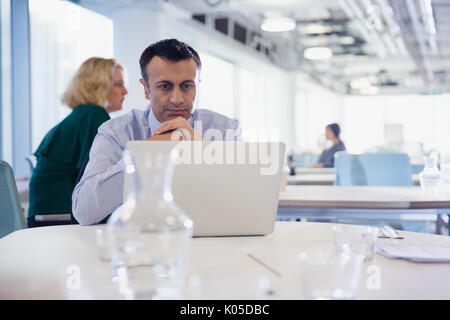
x=326 y=160
x=96 y=90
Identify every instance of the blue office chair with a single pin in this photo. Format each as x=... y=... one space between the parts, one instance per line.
x=11 y=213
x=373 y=169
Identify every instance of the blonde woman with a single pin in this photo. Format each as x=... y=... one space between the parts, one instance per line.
x=96 y=90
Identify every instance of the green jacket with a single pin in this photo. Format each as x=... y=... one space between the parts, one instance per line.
x=60 y=157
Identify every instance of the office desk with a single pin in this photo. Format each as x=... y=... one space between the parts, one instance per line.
x=315 y=171
x=309 y=178
x=36 y=264
x=361 y=202
x=361 y=197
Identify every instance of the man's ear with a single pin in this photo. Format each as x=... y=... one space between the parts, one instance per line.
x=146 y=89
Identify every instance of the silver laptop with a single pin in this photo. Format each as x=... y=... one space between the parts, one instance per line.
x=226 y=188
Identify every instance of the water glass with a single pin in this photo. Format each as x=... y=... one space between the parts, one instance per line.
x=359 y=240
x=327 y=276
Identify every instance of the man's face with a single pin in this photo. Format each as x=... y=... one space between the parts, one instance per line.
x=171 y=87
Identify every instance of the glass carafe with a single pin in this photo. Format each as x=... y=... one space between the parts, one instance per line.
x=430 y=176
x=149 y=235
x=445 y=170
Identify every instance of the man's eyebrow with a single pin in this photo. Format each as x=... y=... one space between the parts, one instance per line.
x=164 y=82
x=188 y=81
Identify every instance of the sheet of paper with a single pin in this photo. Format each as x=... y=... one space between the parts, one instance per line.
x=415 y=253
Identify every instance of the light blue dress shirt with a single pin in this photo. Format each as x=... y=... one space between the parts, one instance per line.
x=100 y=190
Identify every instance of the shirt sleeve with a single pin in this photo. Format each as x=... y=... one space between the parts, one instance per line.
x=329 y=160
x=100 y=190
x=322 y=157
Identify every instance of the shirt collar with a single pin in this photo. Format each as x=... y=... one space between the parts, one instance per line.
x=152 y=121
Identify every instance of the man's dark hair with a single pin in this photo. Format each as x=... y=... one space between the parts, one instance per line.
x=171 y=49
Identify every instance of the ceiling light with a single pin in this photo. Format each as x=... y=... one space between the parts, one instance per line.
x=317 y=53
x=346 y=40
x=278 y=24
x=315 y=28
x=364 y=82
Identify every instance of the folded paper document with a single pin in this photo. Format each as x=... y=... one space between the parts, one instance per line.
x=415 y=253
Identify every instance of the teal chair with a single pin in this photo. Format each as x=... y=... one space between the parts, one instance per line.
x=11 y=213
x=373 y=169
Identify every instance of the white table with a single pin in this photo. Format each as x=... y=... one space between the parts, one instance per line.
x=361 y=197
x=323 y=178
x=361 y=202
x=34 y=265
x=315 y=171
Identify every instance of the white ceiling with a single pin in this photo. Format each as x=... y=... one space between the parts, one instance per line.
x=394 y=41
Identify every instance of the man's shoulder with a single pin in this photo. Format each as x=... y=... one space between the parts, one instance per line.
x=131 y=126
x=214 y=119
x=132 y=118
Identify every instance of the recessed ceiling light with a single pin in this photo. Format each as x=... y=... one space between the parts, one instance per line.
x=278 y=24
x=317 y=53
x=346 y=40
x=315 y=28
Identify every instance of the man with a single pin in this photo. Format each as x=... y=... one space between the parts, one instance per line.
x=170 y=76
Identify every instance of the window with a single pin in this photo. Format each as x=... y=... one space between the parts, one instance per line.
x=62 y=36
x=5 y=83
x=265 y=101
x=216 y=85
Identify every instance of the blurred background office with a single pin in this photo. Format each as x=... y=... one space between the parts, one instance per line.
x=379 y=68
x=283 y=68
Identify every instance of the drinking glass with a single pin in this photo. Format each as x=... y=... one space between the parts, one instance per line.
x=330 y=275
x=359 y=240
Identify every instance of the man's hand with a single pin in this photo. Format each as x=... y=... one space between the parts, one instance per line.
x=167 y=136
x=178 y=126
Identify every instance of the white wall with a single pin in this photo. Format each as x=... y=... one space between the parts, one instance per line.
x=134 y=30
x=425 y=119
x=315 y=107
